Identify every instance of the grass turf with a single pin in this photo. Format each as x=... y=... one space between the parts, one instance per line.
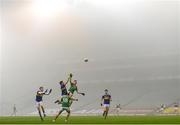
x=94 y=120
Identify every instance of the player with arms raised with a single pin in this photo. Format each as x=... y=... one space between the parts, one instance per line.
x=39 y=100
x=63 y=87
x=105 y=101
x=73 y=87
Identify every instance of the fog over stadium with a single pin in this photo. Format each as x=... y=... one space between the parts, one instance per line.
x=133 y=47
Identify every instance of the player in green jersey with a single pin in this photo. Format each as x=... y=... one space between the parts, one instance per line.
x=73 y=87
x=66 y=102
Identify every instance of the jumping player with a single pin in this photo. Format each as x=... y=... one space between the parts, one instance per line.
x=63 y=87
x=105 y=101
x=73 y=87
x=66 y=102
x=39 y=100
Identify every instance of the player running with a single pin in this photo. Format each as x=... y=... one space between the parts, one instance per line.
x=73 y=87
x=118 y=108
x=66 y=103
x=105 y=101
x=39 y=100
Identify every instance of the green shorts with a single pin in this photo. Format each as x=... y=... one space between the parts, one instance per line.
x=71 y=91
x=67 y=109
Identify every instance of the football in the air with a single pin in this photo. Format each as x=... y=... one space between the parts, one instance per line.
x=86 y=60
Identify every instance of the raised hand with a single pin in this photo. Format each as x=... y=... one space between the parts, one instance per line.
x=70 y=75
x=50 y=91
x=46 y=91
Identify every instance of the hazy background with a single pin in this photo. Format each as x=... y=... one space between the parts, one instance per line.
x=132 y=46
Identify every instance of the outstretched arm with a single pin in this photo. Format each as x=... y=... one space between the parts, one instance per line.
x=45 y=93
x=74 y=99
x=67 y=80
x=58 y=101
x=70 y=77
x=81 y=93
x=40 y=93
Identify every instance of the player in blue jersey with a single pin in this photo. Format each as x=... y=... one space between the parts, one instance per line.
x=105 y=101
x=39 y=100
x=63 y=88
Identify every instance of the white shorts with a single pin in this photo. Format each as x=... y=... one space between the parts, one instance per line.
x=106 y=105
x=118 y=109
x=39 y=104
x=161 y=109
x=176 y=108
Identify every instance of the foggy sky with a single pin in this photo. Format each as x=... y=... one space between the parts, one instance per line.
x=132 y=47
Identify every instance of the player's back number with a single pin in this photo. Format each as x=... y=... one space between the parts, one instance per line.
x=65 y=100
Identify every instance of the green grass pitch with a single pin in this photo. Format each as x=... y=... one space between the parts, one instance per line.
x=94 y=120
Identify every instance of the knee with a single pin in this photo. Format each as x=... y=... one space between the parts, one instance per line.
x=38 y=108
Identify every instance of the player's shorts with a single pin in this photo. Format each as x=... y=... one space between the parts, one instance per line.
x=161 y=109
x=176 y=108
x=39 y=103
x=106 y=105
x=118 y=109
x=71 y=92
x=67 y=109
x=64 y=93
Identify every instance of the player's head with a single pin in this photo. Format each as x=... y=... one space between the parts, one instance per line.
x=75 y=82
x=106 y=91
x=61 y=82
x=41 y=88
